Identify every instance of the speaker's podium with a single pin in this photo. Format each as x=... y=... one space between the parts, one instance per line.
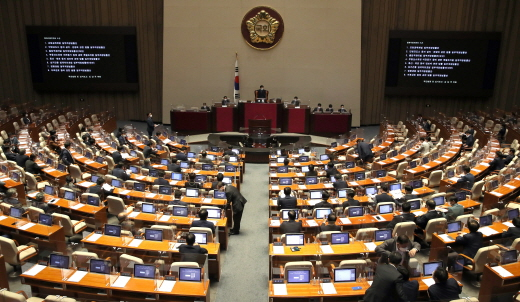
x=259 y=131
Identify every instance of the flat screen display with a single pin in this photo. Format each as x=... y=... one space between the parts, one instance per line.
x=59 y=261
x=192 y=274
x=100 y=266
x=345 y=275
x=294 y=239
x=144 y=271
x=430 y=267
x=298 y=276
x=339 y=238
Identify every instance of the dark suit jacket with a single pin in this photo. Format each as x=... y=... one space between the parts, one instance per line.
x=10 y=156
x=387 y=285
x=190 y=184
x=161 y=182
x=192 y=249
x=177 y=202
x=331 y=172
x=496 y=164
x=66 y=157
x=323 y=204
x=447 y=291
x=471 y=243
x=229 y=152
x=467 y=181
x=204 y=224
x=364 y=151
x=329 y=110
x=181 y=156
x=340 y=184
x=311 y=173
x=120 y=173
x=173 y=168
x=389 y=246
x=318 y=109
x=384 y=197
x=422 y=221
x=148 y=151
x=117 y=157
x=350 y=203
x=508 y=159
x=205 y=160
x=21 y=159
x=291 y=226
x=122 y=140
x=470 y=140
x=149 y=124
x=236 y=199
x=102 y=193
x=326 y=227
x=205 y=108
x=287 y=202
x=512 y=232
x=32 y=167
x=401 y=218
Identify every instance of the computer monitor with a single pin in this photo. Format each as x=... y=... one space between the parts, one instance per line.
x=153 y=173
x=281 y=159
x=350 y=165
x=301 y=150
x=117 y=183
x=303 y=158
x=93 y=200
x=210 y=157
x=334 y=144
x=185 y=164
x=207 y=167
x=294 y=239
x=227 y=180
x=192 y=192
x=191 y=154
x=414 y=204
x=315 y=194
x=416 y=183
x=382 y=235
x=461 y=195
x=486 y=220
x=200 y=238
x=412 y=164
x=305 y=169
x=282 y=169
x=285 y=213
x=506 y=178
x=94 y=178
x=439 y=200
x=201 y=178
x=382 y=156
x=395 y=187
x=403 y=149
x=153 y=234
x=4 y=169
x=45 y=219
x=311 y=180
x=177 y=176
x=100 y=266
x=70 y=195
x=59 y=261
x=230 y=168
x=321 y=213
x=386 y=208
x=342 y=193
x=508 y=257
x=511 y=214
x=190 y=274
x=100 y=160
x=180 y=211
x=298 y=276
x=453 y=227
x=49 y=162
x=61 y=168
x=344 y=275
x=339 y=238
x=285 y=181
x=113 y=230
x=165 y=190
x=88 y=155
x=359 y=176
x=144 y=271
x=219 y=195
x=48 y=190
x=370 y=190
x=425 y=160
x=430 y=267
x=165 y=161
x=15 y=176
x=435 y=155
x=139 y=186
x=214 y=213
x=214 y=149
x=394 y=153
x=133 y=153
x=380 y=173
x=324 y=157
x=134 y=169
x=279 y=152
x=355 y=211
x=148 y=208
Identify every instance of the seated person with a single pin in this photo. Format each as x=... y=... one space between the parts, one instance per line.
x=21 y=158
x=329 y=109
x=470 y=242
x=32 y=167
x=120 y=173
x=339 y=183
x=510 y=156
x=468 y=139
x=11 y=197
x=39 y=202
x=116 y=155
x=99 y=190
x=3 y=188
x=230 y=151
x=444 y=289
x=454 y=210
x=147 y=165
x=177 y=201
x=331 y=224
x=422 y=221
x=384 y=196
x=388 y=282
x=191 y=246
x=410 y=287
x=401 y=244
x=342 y=109
x=350 y=202
x=160 y=180
x=8 y=154
x=498 y=162
x=295 y=101
x=307 y=151
x=311 y=171
x=205 y=107
x=324 y=203
x=191 y=183
x=513 y=232
x=288 y=201
x=203 y=221
x=174 y=167
x=181 y=155
x=225 y=101
x=318 y=109
x=149 y=150
x=291 y=226
x=403 y=217
x=286 y=162
x=467 y=180
x=214 y=184
x=331 y=170
x=203 y=158
x=408 y=193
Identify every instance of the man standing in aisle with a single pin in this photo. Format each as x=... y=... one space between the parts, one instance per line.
x=150 y=126
x=237 y=201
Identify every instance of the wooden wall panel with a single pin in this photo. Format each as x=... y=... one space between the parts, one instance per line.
x=379 y=17
x=145 y=15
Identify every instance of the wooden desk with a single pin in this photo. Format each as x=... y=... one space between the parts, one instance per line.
x=54 y=176
x=140 y=145
x=384 y=164
x=11 y=184
x=503 y=192
x=151 y=249
x=446 y=158
x=320 y=173
x=498 y=286
x=96 y=287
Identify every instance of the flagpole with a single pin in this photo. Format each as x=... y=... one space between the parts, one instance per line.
x=236 y=84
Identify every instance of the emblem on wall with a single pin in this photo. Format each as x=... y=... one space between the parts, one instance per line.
x=262 y=28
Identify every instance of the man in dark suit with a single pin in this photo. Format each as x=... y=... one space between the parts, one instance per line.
x=510 y=156
x=444 y=289
x=120 y=173
x=8 y=154
x=191 y=183
x=339 y=183
x=384 y=196
x=331 y=224
x=422 y=221
x=364 y=152
x=149 y=150
x=11 y=197
x=21 y=158
x=177 y=201
x=65 y=155
x=408 y=193
x=214 y=184
x=116 y=155
x=173 y=166
x=99 y=190
x=237 y=201
x=329 y=109
x=26 y=119
x=291 y=226
x=181 y=155
x=401 y=244
x=230 y=151
x=404 y=217
x=288 y=201
x=318 y=109
x=147 y=165
x=470 y=242
x=205 y=107
x=31 y=166
x=295 y=101
x=497 y=163
x=261 y=95
x=350 y=202
x=388 y=282
x=324 y=203
x=203 y=221
x=311 y=171
x=225 y=101
x=150 y=126
x=470 y=140
x=467 y=180
x=203 y=158
x=191 y=247
x=342 y=109
x=331 y=170
x=160 y=180
x=513 y=232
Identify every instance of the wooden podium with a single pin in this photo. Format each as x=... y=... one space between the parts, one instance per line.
x=259 y=127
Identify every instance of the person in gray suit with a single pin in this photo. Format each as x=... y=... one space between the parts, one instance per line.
x=454 y=210
x=400 y=244
x=466 y=180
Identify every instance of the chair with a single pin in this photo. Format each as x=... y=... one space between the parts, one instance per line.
x=127 y=262
x=87 y=122
x=174 y=267
x=33 y=184
x=434 y=179
x=365 y=234
x=117 y=206
x=476 y=190
x=110 y=162
x=326 y=235
x=405 y=228
x=20 y=296
x=464 y=218
x=55 y=298
x=72 y=228
x=16 y=255
x=62 y=119
x=398 y=173
x=16 y=127
x=209 y=233
x=82 y=259
x=477 y=264
x=436 y=225
x=169 y=231
x=34 y=213
x=297 y=265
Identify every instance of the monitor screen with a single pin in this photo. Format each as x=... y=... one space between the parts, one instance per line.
x=350 y=164
x=200 y=178
x=180 y=211
x=117 y=183
x=303 y=159
x=210 y=157
x=294 y=239
x=439 y=200
x=207 y=167
x=386 y=208
x=144 y=271
x=380 y=173
x=133 y=153
x=322 y=213
x=324 y=157
x=113 y=230
x=148 y=208
x=298 y=276
x=414 y=204
x=49 y=162
x=134 y=169
x=15 y=176
x=359 y=176
x=494 y=184
x=88 y=155
x=355 y=211
x=413 y=164
x=177 y=176
x=236 y=151
x=508 y=257
x=59 y=261
x=230 y=168
x=4 y=169
x=370 y=190
x=182 y=142
x=165 y=190
x=191 y=192
x=227 y=180
x=342 y=193
x=48 y=190
x=339 y=238
x=200 y=238
x=311 y=180
x=153 y=173
x=100 y=266
x=93 y=200
x=280 y=159
x=430 y=267
x=382 y=235
x=153 y=234
x=139 y=186
x=425 y=160
x=416 y=183
x=192 y=274
x=301 y=150
x=395 y=187
x=100 y=160
x=185 y=164
x=334 y=144
x=214 y=149
x=219 y=195
x=402 y=150
x=486 y=220
x=282 y=169
x=285 y=213
x=70 y=195
x=435 y=155
x=455 y=226
x=285 y=181
x=344 y=275
x=279 y=152
x=382 y=156
x=61 y=168
x=461 y=195
x=305 y=169
x=191 y=154
x=511 y=214
x=165 y=161
x=45 y=219
x=315 y=194
x=214 y=213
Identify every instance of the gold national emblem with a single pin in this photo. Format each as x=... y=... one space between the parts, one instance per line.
x=262 y=28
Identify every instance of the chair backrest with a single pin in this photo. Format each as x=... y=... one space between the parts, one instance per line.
x=404 y=228
x=75 y=172
x=66 y=223
x=516 y=244
x=34 y=213
x=209 y=233
x=55 y=298
x=82 y=259
x=481 y=258
x=352 y=263
x=435 y=178
x=365 y=234
x=296 y=265
x=62 y=119
x=8 y=296
x=400 y=169
x=476 y=190
x=168 y=231
x=434 y=225
x=174 y=267
x=127 y=262
x=9 y=250
x=32 y=183
x=437 y=195
x=110 y=162
x=494 y=212
x=116 y=205
x=464 y=218
x=326 y=234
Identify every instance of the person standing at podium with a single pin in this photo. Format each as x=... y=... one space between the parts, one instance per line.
x=295 y=102
x=261 y=94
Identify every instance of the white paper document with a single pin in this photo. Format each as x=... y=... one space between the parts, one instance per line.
x=429 y=281
x=345 y=221
x=328 y=288
x=280 y=289
x=312 y=223
x=77 y=206
x=94 y=237
x=151 y=195
x=124 y=192
x=446 y=238
x=502 y=271
x=135 y=243
x=509 y=224
x=165 y=218
x=77 y=276
x=418 y=213
x=278 y=249
x=121 y=281
x=167 y=286
x=302 y=187
x=87 y=184
x=328 y=185
x=33 y=271
x=376 y=180
x=510 y=186
x=26 y=226
x=487 y=231
x=133 y=214
x=313 y=202
x=371 y=246
x=353 y=183
x=497 y=194
x=275 y=188
x=2 y=217
x=275 y=223
x=326 y=249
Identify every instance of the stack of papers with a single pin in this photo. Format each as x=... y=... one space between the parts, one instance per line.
x=510 y=186
x=312 y=223
x=124 y=192
x=77 y=276
x=275 y=187
x=280 y=289
x=278 y=250
x=135 y=243
x=33 y=271
x=165 y=218
x=207 y=200
x=371 y=246
x=446 y=237
x=345 y=221
x=88 y=183
x=509 y=224
x=353 y=183
x=26 y=226
x=328 y=289
x=167 y=286
x=502 y=271
x=497 y=194
x=121 y=281
x=429 y=282
x=487 y=231
x=133 y=214
x=150 y=195
x=94 y=237
x=77 y=206
x=275 y=222
x=302 y=187
x=2 y=217
x=326 y=249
